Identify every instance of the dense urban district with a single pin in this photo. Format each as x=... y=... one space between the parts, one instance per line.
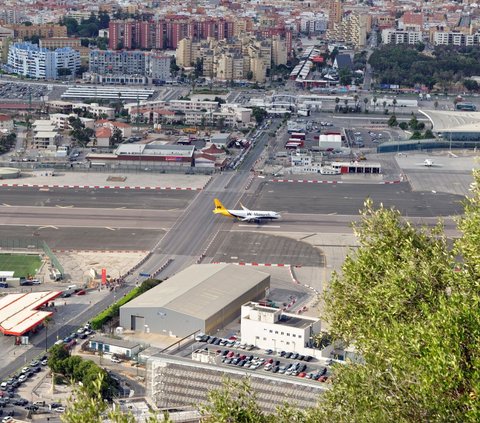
x=225 y=211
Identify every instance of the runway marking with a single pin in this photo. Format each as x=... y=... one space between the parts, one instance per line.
x=64 y=207
x=109 y=228
x=6 y=205
x=258 y=226
x=47 y=227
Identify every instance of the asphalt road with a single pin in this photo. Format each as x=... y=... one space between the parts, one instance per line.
x=100 y=198
x=348 y=199
x=81 y=238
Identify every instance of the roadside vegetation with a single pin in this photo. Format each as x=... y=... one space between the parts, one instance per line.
x=112 y=312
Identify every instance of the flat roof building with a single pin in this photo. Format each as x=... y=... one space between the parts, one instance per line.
x=19 y=313
x=202 y=297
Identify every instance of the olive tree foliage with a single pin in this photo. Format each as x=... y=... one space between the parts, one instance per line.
x=236 y=402
x=88 y=406
x=411 y=306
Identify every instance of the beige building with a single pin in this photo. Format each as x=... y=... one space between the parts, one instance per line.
x=184 y=53
x=279 y=51
x=351 y=30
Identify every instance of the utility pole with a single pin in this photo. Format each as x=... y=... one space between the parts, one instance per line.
x=138 y=112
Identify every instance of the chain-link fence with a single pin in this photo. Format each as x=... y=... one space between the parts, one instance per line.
x=53 y=258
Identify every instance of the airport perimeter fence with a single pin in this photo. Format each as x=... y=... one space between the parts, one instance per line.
x=52 y=257
x=33 y=245
x=25 y=244
x=137 y=169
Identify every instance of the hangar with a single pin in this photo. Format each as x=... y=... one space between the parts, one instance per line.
x=203 y=297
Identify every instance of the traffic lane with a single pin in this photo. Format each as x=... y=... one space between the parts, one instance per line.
x=93 y=218
x=75 y=238
x=97 y=198
x=348 y=199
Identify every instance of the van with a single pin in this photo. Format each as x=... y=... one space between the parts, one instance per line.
x=39 y=403
x=72 y=287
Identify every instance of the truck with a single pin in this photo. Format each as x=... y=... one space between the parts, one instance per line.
x=298 y=135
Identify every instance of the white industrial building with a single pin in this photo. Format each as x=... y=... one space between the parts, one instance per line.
x=272 y=328
x=30 y=60
x=330 y=142
x=202 y=297
x=115 y=346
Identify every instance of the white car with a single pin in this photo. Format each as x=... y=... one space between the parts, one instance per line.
x=22 y=378
x=114 y=359
x=59 y=410
x=7 y=419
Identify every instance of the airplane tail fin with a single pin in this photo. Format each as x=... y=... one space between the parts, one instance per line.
x=219 y=207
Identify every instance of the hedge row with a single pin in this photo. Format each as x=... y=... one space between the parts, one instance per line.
x=114 y=310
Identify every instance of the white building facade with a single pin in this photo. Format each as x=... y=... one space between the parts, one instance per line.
x=272 y=328
x=28 y=59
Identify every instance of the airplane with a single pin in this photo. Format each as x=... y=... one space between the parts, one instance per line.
x=429 y=163
x=245 y=215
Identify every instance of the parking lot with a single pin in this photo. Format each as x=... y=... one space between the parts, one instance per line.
x=232 y=352
x=13 y=91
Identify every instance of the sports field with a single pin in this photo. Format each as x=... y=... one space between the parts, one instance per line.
x=23 y=265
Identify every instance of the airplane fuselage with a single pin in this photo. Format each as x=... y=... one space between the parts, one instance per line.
x=254 y=214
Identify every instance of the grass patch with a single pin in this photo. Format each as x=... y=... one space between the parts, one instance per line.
x=23 y=265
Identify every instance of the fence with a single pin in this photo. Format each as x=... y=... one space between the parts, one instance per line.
x=53 y=258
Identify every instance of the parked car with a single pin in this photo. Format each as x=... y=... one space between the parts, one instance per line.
x=81 y=292
x=114 y=359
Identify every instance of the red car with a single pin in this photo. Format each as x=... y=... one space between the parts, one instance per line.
x=81 y=292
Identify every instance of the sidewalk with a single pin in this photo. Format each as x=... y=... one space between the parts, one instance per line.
x=92 y=180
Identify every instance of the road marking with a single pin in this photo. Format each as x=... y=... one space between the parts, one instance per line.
x=109 y=228
x=259 y=226
x=47 y=227
x=64 y=207
x=6 y=205
x=44 y=189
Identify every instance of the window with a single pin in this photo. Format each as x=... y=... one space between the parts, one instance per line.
x=288 y=334
x=276 y=332
x=281 y=333
x=294 y=335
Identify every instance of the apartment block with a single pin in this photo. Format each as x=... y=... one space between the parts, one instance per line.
x=30 y=60
x=44 y=31
x=128 y=67
x=456 y=39
x=393 y=36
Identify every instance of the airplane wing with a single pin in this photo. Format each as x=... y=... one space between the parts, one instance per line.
x=249 y=218
x=244 y=208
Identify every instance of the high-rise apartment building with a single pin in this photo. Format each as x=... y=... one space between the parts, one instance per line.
x=30 y=60
x=166 y=33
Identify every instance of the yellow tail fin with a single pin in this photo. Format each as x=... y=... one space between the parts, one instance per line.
x=219 y=208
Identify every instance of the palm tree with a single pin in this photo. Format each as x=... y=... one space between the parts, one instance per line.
x=384 y=105
x=375 y=99
x=337 y=100
x=365 y=101
x=394 y=102
x=345 y=101
x=355 y=98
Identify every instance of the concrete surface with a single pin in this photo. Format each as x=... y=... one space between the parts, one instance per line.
x=164 y=180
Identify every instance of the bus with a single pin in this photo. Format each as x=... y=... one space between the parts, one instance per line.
x=298 y=135
x=467 y=107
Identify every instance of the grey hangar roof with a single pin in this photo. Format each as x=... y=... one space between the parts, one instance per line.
x=200 y=290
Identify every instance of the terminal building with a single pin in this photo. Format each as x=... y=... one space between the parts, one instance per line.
x=203 y=297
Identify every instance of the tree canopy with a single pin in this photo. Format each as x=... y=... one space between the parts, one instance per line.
x=406 y=66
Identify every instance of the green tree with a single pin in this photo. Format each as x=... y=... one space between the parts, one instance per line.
x=57 y=357
x=470 y=84
x=259 y=114
x=365 y=102
x=410 y=304
x=403 y=125
x=428 y=134
x=116 y=138
x=235 y=402
x=417 y=135
x=392 y=121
